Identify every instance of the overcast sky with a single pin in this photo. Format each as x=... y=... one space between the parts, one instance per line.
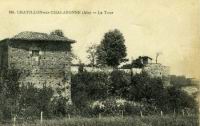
x=148 y=26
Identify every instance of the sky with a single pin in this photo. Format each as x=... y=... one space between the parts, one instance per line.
x=149 y=26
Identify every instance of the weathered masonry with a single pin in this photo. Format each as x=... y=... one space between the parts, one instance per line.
x=156 y=70
x=43 y=59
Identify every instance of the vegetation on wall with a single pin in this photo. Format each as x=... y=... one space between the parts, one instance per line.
x=139 y=88
x=93 y=93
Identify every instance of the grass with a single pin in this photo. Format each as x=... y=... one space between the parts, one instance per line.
x=154 y=120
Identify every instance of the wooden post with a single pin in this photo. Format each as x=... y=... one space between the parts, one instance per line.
x=161 y=113
x=141 y=114
x=122 y=114
x=174 y=113
x=183 y=112
x=69 y=116
x=14 y=120
x=41 y=118
x=99 y=115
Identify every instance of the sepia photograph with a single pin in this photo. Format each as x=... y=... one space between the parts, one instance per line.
x=99 y=63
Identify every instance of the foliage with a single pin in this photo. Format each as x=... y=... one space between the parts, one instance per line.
x=89 y=86
x=112 y=92
x=145 y=88
x=120 y=83
x=92 y=54
x=152 y=120
x=137 y=63
x=59 y=106
x=57 y=32
x=150 y=92
x=140 y=62
x=179 y=99
x=9 y=93
x=115 y=106
x=112 y=49
x=181 y=81
x=34 y=100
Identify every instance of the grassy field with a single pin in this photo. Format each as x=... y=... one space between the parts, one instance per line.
x=116 y=121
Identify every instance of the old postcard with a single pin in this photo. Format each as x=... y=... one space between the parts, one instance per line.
x=99 y=62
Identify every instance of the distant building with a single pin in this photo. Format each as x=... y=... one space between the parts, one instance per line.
x=154 y=70
x=144 y=60
x=43 y=59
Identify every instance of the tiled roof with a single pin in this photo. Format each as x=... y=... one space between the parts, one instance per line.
x=36 y=36
x=146 y=57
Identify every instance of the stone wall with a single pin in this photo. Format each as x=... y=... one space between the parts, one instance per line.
x=158 y=70
x=50 y=66
x=74 y=69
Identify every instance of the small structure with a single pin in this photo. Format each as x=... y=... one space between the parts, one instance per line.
x=145 y=60
x=43 y=59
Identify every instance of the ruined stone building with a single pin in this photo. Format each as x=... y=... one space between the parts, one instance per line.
x=153 y=69
x=157 y=70
x=43 y=59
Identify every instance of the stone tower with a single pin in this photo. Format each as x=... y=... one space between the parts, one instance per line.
x=43 y=59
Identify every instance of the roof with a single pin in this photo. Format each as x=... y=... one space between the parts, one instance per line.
x=146 y=57
x=37 y=36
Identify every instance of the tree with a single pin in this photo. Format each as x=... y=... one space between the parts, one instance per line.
x=9 y=93
x=112 y=50
x=137 y=63
x=143 y=87
x=179 y=99
x=92 y=54
x=57 y=32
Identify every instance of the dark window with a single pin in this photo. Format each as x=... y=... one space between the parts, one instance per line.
x=35 y=57
x=35 y=52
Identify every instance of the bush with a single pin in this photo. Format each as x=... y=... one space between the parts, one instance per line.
x=94 y=93
x=150 y=92
x=180 y=100
x=115 y=106
x=120 y=83
x=34 y=100
x=89 y=86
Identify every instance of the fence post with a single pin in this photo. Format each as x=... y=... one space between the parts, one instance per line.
x=161 y=113
x=69 y=116
x=122 y=114
x=174 y=113
x=99 y=115
x=41 y=118
x=14 y=120
x=141 y=114
x=183 y=112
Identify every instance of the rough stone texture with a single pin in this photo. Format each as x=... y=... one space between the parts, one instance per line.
x=74 y=70
x=41 y=63
x=158 y=70
x=3 y=54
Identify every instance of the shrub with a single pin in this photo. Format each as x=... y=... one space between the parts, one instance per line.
x=120 y=83
x=89 y=86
